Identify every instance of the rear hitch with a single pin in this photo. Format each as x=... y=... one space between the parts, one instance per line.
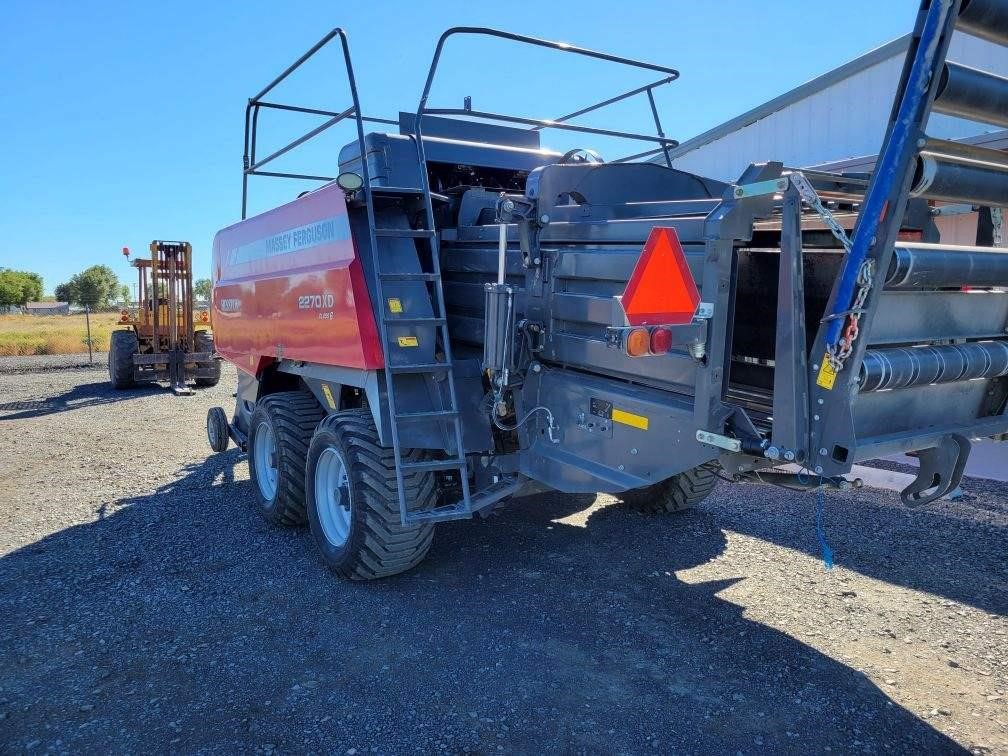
x=941 y=470
x=799 y=481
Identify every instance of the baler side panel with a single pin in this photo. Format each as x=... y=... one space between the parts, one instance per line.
x=289 y=284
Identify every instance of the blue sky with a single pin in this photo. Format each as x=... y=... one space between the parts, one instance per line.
x=122 y=121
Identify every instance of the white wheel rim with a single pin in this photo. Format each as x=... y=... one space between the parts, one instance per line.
x=211 y=430
x=332 y=496
x=266 y=461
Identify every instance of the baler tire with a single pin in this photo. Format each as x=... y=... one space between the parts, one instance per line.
x=376 y=543
x=123 y=345
x=292 y=417
x=678 y=493
x=203 y=342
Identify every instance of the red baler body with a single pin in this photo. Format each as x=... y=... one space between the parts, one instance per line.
x=289 y=284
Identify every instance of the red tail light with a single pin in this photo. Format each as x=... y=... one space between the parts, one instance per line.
x=661 y=340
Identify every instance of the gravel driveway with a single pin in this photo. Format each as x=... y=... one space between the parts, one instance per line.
x=145 y=607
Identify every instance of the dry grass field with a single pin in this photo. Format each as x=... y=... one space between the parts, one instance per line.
x=54 y=334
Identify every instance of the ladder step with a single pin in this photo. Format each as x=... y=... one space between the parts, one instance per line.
x=423 y=367
x=397 y=191
x=409 y=276
x=451 y=512
x=434 y=464
x=405 y=233
x=494 y=493
x=415 y=321
x=424 y=414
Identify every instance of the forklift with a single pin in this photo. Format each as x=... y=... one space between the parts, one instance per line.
x=159 y=343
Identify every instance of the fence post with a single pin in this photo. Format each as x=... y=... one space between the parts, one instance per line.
x=87 y=319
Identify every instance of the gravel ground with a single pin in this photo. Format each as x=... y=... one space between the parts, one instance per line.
x=36 y=362
x=145 y=607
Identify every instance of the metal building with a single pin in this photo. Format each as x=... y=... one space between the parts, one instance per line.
x=836 y=120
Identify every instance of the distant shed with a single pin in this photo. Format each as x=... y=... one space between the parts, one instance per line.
x=47 y=308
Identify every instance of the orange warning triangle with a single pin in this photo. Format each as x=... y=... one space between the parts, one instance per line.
x=661 y=290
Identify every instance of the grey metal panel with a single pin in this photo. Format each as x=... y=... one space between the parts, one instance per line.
x=588 y=457
x=616 y=264
x=631 y=210
x=621 y=231
x=610 y=265
x=881 y=413
x=675 y=370
x=917 y=317
x=583 y=307
x=470 y=131
x=904 y=441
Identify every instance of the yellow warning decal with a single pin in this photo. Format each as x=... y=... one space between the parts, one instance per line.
x=628 y=418
x=408 y=341
x=394 y=305
x=827 y=375
x=328 y=395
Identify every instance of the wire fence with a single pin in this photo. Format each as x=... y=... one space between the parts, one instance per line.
x=62 y=330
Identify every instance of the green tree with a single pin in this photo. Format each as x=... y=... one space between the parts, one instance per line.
x=202 y=288
x=18 y=287
x=65 y=293
x=124 y=294
x=96 y=286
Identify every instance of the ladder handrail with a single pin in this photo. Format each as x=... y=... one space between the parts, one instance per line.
x=899 y=148
x=251 y=166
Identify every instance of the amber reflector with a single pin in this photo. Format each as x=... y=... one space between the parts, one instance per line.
x=638 y=342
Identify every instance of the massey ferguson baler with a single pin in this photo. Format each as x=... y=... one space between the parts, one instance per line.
x=461 y=315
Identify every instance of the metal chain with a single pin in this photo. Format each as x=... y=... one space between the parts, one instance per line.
x=809 y=196
x=837 y=354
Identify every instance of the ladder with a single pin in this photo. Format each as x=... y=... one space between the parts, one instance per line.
x=431 y=276
x=928 y=82
x=913 y=164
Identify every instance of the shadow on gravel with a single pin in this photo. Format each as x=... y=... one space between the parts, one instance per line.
x=952 y=549
x=180 y=621
x=83 y=395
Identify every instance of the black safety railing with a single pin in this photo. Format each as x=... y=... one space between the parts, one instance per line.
x=253 y=165
x=561 y=123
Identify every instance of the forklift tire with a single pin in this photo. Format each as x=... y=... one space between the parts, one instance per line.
x=353 y=503
x=123 y=346
x=678 y=493
x=217 y=429
x=203 y=342
x=279 y=432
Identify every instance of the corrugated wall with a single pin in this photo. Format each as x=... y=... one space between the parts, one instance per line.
x=845 y=119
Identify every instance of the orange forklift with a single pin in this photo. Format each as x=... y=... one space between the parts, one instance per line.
x=159 y=342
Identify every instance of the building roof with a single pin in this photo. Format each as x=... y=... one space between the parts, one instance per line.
x=45 y=305
x=828 y=79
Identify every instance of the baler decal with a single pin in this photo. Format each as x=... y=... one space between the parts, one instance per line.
x=292 y=240
x=629 y=418
x=329 y=396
